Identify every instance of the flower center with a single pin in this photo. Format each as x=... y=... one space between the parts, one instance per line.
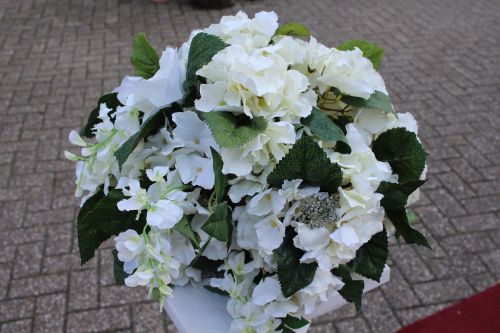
x=318 y=210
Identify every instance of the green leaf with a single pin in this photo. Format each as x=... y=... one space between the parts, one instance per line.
x=403 y=228
x=111 y=101
x=404 y=153
x=118 y=271
x=292 y=275
x=219 y=224
x=184 y=227
x=411 y=216
x=156 y=294
x=202 y=50
x=378 y=100
x=294 y=29
x=352 y=291
x=148 y=127
x=323 y=127
x=294 y=322
x=233 y=132
x=144 y=58
x=371 y=257
x=396 y=195
x=99 y=219
x=370 y=51
x=394 y=202
x=207 y=266
x=306 y=160
x=220 y=183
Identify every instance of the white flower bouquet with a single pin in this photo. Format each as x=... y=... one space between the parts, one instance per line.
x=252 y=161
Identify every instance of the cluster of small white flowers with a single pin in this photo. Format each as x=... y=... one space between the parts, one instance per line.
x=165 y=180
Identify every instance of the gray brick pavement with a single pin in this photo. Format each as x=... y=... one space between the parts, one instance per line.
x=58 y=56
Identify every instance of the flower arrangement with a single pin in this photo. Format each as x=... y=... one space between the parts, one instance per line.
x=253 y=161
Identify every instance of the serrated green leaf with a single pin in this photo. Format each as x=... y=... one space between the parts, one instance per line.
x=99 y=219
x=220 y=183
x=403 y=227
x=232 y=132
x=144 y=57
x=202 y=50
x=118 y=271
x=370 y=51
x=111 y=101
x=148 y=127
x=378 y=100
x=184 y=227
x=394 y=202
x=295 y=322
x=294 y=29
x=371 y=257
x=219 y=224
x=307 y=161
x=323 y=127
x=292 y=274
x=352 y=291
x=396 y=195
x=401 y=149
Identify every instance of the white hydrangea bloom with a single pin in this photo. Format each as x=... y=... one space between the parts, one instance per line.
x=169 y=183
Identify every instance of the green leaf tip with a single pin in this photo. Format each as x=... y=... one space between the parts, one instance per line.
x=230 y=131
x=370 y=51
x=145 y=59
x=294 y=29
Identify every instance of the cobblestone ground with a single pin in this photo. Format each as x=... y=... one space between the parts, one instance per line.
x=57 y=57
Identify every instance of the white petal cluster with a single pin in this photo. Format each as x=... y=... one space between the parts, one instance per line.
x=167 y=183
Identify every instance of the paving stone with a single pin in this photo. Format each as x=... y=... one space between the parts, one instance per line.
x=471 y=223
x=410 y=264
x=99 y=320
x=16 y=309
x=380 y=317
x=50 y=311
x=470 y=243
x=59 y=239
x=481 y=281
x=83 y=280
x=463 y=265
x=323 y=328
x=18 y=326
x=122 y=295
x=398 y=292
x=39 y=285
x=434 y=221
x=482 y=204
x=408 y=316
x=446 y=203
x=147 y=318
x=357 y=325
x=29 y=259
x=492 y=261
x=443 y=290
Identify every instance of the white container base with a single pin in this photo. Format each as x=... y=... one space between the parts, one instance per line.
x=197 y=310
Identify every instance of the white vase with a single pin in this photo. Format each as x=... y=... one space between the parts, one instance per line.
x=197 y=310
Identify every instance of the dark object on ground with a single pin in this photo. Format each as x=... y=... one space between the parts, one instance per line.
x=212 y=4
x=478 y=314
